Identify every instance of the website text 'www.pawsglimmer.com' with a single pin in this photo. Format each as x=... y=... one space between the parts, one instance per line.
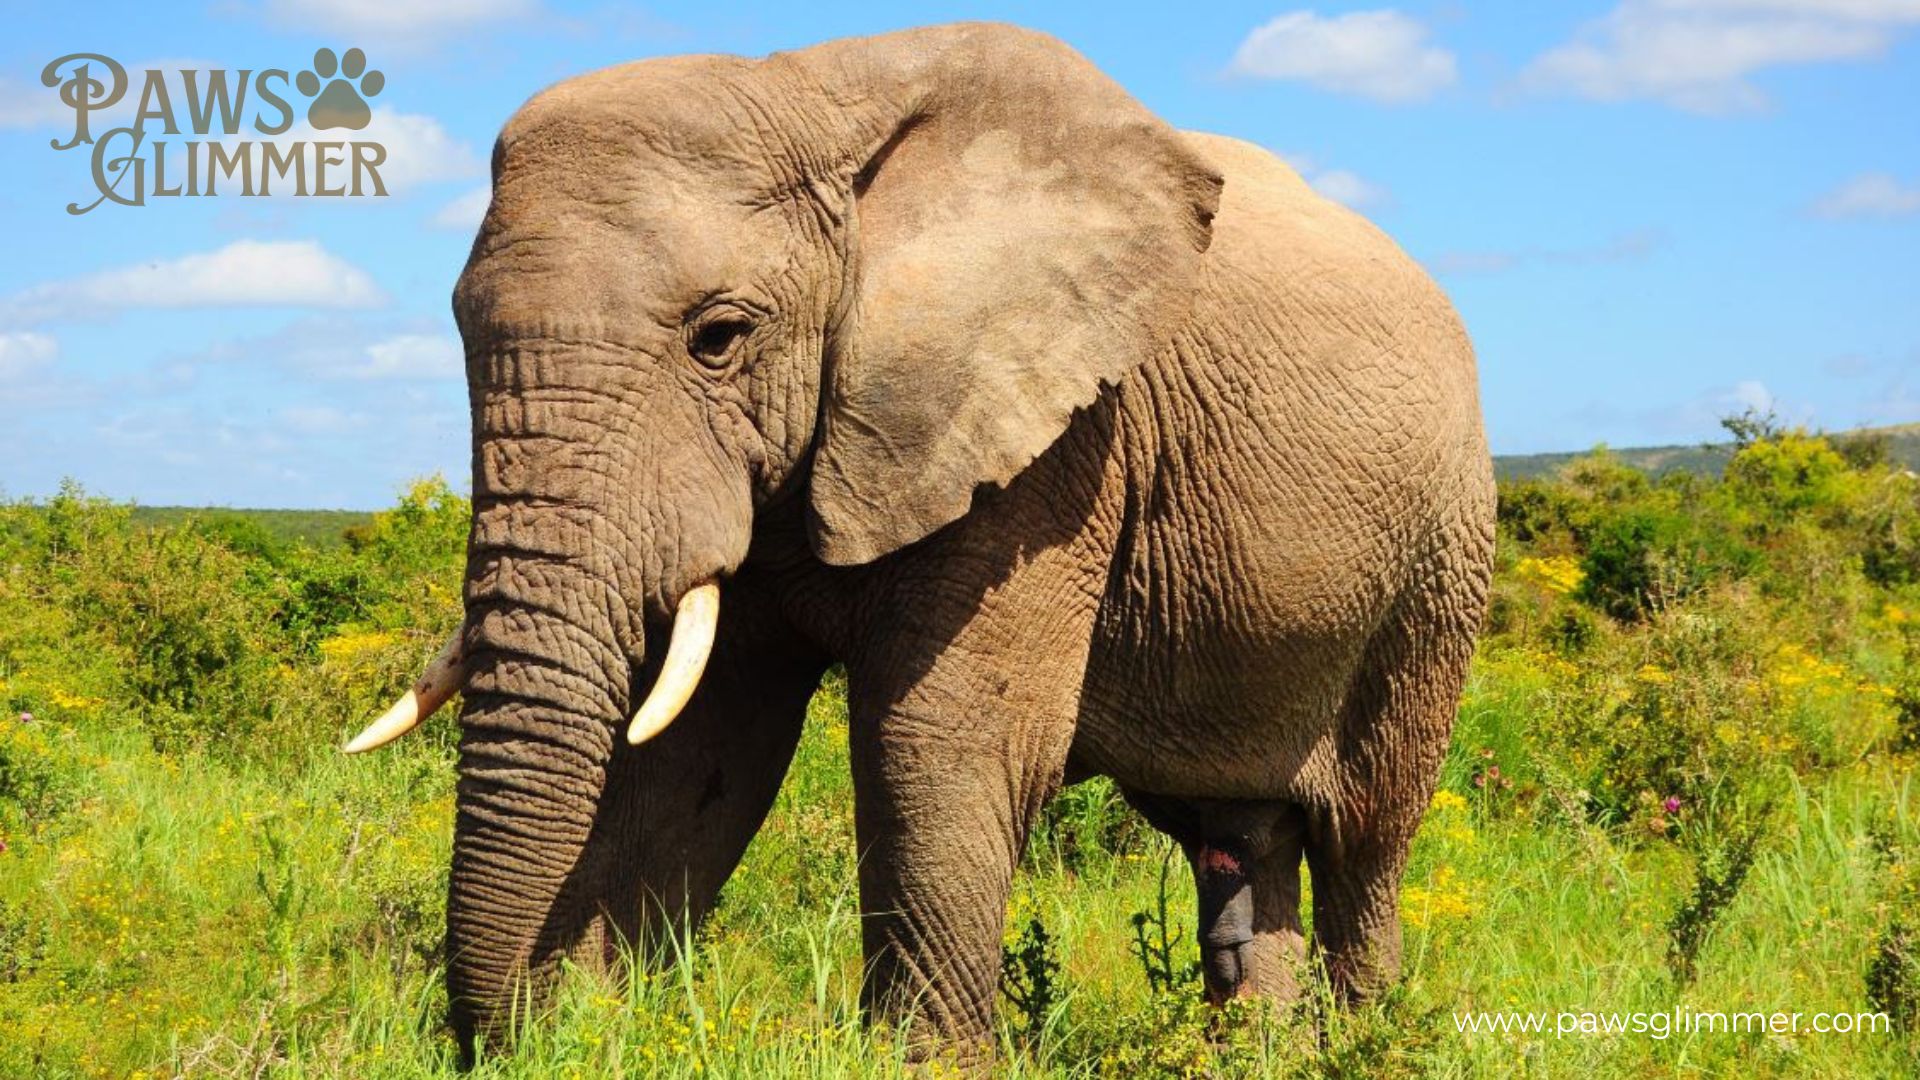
x=1671 y=1022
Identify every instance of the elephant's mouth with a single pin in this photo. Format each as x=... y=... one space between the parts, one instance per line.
x=694 y=621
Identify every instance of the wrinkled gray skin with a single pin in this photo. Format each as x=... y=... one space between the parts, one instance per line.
x=1088 y=446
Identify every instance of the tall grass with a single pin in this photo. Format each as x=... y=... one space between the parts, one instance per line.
x=1679 y=678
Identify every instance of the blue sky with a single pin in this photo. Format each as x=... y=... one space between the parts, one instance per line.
x=1651 y=213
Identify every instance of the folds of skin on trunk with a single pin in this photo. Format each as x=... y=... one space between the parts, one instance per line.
x=543 y=704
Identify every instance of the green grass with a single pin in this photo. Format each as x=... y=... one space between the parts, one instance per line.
x=196 y=882
x=208 y=919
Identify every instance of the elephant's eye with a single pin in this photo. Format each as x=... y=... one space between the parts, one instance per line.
x=715 y=338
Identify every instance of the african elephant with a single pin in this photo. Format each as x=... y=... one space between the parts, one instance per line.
x=1087 y=447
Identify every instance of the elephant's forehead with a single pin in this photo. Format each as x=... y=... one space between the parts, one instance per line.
x=652 y=250
x=693 y=114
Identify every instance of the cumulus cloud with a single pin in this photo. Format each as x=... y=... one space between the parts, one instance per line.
x=1752 y=395
x=25 y=103
x=1696 y=418
x=388 y=18
x=319 y=419
x=345 y=347
x=1873 y=194
x=1349 y=188
x=1341 y=185
x=408 y=356
x=1698 y=55
x=25 y=353
x=419 y=150
x=1382 y=55
x=246 y=273
x=464 y=214
x=1626 y=247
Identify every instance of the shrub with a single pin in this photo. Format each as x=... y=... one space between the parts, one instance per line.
x=1720 y=869
x=1778 y=479
x=194 y=646
x=1635 y=564
x=41 y=775
x=1889 y=522
x=1030 y=979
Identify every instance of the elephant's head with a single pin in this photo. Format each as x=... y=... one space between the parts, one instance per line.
x=872 y=275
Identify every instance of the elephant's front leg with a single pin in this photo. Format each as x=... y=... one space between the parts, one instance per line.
x=961 y=723
x=682 y=808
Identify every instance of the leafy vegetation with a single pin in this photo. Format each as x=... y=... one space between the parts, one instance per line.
x=1681 y=778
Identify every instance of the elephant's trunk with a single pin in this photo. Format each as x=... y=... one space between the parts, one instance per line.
x=586 y=525
x=546 y=696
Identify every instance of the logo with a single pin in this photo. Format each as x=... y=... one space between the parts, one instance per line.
x=237 y=116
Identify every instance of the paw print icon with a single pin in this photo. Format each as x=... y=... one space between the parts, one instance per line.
x=343 y=102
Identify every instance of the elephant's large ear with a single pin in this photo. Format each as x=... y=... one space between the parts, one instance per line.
x=1022 y=233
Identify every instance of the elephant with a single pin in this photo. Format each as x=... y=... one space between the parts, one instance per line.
x=1086 y=446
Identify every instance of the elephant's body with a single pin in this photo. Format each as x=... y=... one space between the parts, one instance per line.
x=1131 y=455
x=1303 y=468
x=1264 y=554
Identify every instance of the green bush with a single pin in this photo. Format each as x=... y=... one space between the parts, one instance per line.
x=1793 y=474
x=41 y=774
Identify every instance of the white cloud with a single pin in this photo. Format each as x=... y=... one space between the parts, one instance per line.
x=1697 y=55
x=319 y=419
x=1869 y=10
x=1626 y=247
x=1752 y=395
x=408 y=356
x=1349 y=188
x=343 y=347
x=1382 y=55
x=419 y=150
x=24 y=353
x=1696 y=418
x=246 y=273
x=464 y=213
x=30 y=105
x=25 y=103
x=1341 y=185
x=393 y=18
x=1874 y=194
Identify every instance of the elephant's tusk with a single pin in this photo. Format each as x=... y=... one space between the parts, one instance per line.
x=693 y=625
x=440 y=681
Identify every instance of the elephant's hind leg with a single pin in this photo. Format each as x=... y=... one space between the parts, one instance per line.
x=1393 y=734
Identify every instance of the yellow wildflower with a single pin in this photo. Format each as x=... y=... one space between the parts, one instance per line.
x=349 y=647
x=1556 y=573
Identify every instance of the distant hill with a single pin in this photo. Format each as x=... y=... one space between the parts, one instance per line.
x=320 y=528
x=1903 y=447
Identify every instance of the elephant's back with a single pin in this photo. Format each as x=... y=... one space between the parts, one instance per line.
x=1319 y=411
x=1293 y=460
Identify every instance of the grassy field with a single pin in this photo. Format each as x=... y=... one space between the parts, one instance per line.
x=1681 y=779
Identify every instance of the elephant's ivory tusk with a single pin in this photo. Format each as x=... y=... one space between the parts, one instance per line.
x=436 y=684
x=693 y=625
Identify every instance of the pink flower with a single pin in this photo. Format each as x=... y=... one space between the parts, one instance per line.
x=26 y=718
x=1672 y=805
